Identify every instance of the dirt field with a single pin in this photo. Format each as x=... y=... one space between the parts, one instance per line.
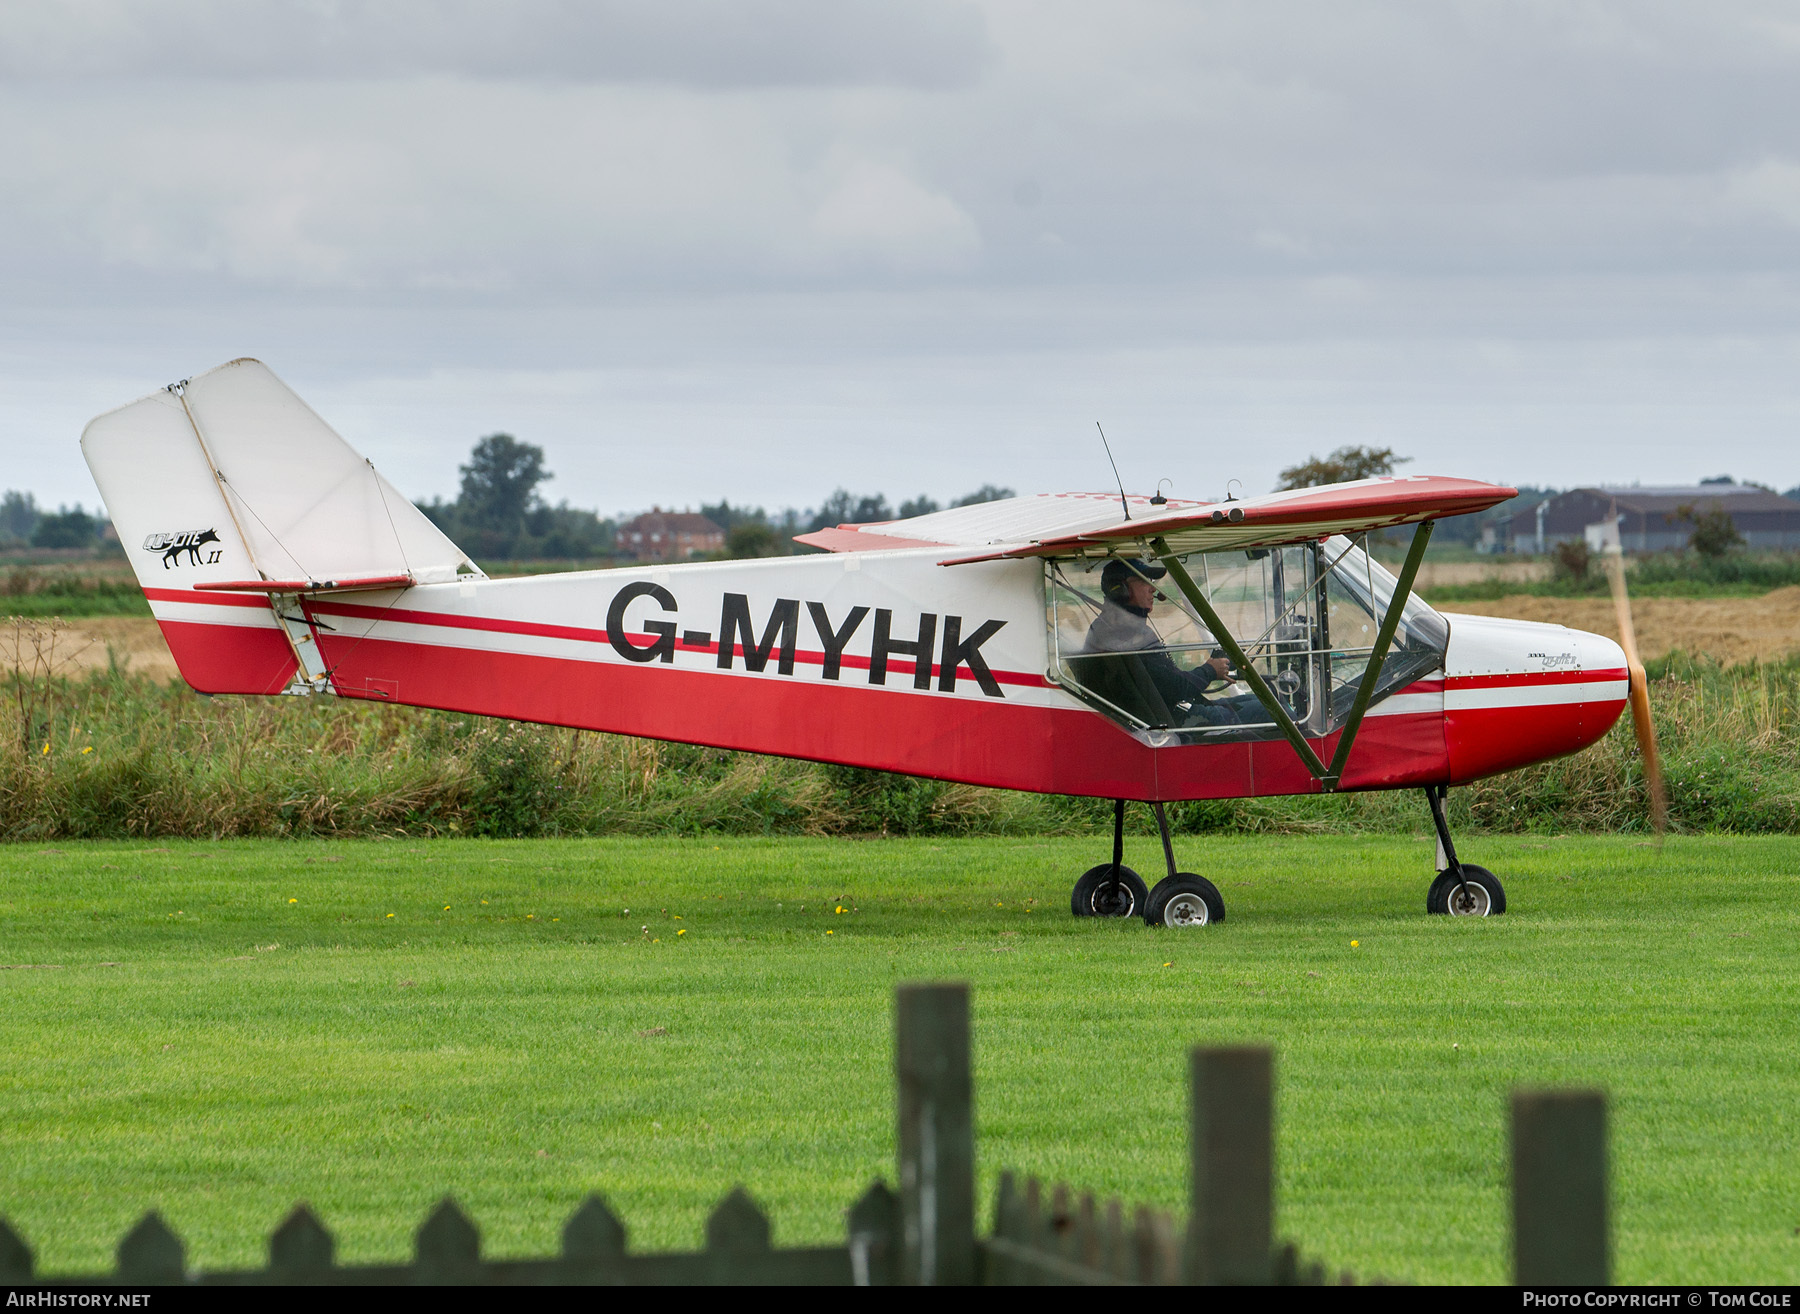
x=83 y=645
x=1732 y=630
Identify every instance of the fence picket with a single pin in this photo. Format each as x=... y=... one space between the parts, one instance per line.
x=150 y=1253
x=301 y=1249
x=15 y=1255
x=874 y=1227
x=737 y=1227
x=593 y=1240
x=1087 y=1232
x=1115 y=1248
x=1062 y=1223
x=447 y=1249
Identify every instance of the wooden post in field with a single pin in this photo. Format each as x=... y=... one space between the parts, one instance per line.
x=937 y=1134
x=1560 y=1230
x=1232 y=1220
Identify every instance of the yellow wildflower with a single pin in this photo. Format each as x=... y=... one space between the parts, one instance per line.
x=681 y=933
x=1355 y=944
x=293 y=901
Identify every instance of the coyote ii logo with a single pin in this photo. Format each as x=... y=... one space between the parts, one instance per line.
x=194 y=543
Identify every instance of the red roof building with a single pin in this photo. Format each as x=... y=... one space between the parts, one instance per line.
x=660 y=535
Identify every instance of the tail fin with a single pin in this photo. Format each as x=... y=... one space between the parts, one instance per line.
x=226 y=489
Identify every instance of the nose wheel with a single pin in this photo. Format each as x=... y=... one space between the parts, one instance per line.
x=1461 y=889
x=1179 y=901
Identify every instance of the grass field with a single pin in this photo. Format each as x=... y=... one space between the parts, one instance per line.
x=218 y=1030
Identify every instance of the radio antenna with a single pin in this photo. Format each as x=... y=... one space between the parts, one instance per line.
x=1123 y=502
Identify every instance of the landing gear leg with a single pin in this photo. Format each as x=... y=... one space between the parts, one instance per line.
x=1181 y=899
x=1112 y=889
x=1461 y=889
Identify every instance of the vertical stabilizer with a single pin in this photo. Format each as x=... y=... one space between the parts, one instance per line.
x=229 y=479
x=178 y=532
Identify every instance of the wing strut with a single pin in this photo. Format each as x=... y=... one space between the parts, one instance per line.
x=1326 y=776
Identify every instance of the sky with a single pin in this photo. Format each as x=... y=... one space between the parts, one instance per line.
x=760 y=249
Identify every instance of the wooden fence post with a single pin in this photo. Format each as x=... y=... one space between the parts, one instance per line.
x=937 y=1134
x=1560 y=1230
x=1231 y=1225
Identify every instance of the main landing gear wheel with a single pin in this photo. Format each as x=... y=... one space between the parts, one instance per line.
x=1184 y=900
x=1098 y=895
x=1475 y=893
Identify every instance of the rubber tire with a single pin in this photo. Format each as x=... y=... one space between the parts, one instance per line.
x=1437 y=899
x=1081 y=901
x=1157 y=910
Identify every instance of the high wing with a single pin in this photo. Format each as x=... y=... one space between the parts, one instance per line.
x=1064 y=524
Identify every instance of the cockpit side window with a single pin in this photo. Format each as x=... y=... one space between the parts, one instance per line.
x=1306 y=615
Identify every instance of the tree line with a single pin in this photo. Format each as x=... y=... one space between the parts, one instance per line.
x=501 y=514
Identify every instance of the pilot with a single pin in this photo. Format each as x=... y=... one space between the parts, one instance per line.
x=1123 y=625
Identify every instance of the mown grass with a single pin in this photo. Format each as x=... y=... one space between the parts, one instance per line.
x=218 y=1030
x=114 y=755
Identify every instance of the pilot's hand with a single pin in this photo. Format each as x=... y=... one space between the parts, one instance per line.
x=1221 y=667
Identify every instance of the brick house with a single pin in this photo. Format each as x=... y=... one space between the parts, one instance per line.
x=660 y=535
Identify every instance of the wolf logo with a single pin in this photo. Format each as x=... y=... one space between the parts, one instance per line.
x=173 y=545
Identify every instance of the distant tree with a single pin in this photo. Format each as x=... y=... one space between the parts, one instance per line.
x=1715 y=534
x=19 y=516
x=1717 y=479
x=1793 y=493
x=564 y=533
x=728 y=517
x=918 y=506
x=1342 y=466
x=499 y=485
x=986 y=493
x=66 y=529
x=751 y=538
x=846 y=508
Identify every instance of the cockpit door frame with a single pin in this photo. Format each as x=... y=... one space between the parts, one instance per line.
x=1327 y=776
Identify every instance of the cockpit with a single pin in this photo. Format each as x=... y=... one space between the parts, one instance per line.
x=1305 y=615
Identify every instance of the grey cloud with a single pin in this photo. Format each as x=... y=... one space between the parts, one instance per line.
x=1587 y=210
x=708 y=43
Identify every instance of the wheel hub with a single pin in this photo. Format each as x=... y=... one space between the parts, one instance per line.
x=1186 y=909
x=1469 y=899
x=1113 y=900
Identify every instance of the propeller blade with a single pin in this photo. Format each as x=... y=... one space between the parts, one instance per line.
x=1639 y=684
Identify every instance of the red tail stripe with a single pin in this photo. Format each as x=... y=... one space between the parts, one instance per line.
x=207 y=599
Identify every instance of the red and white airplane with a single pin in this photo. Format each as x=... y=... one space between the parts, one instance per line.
x=1063 y=643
